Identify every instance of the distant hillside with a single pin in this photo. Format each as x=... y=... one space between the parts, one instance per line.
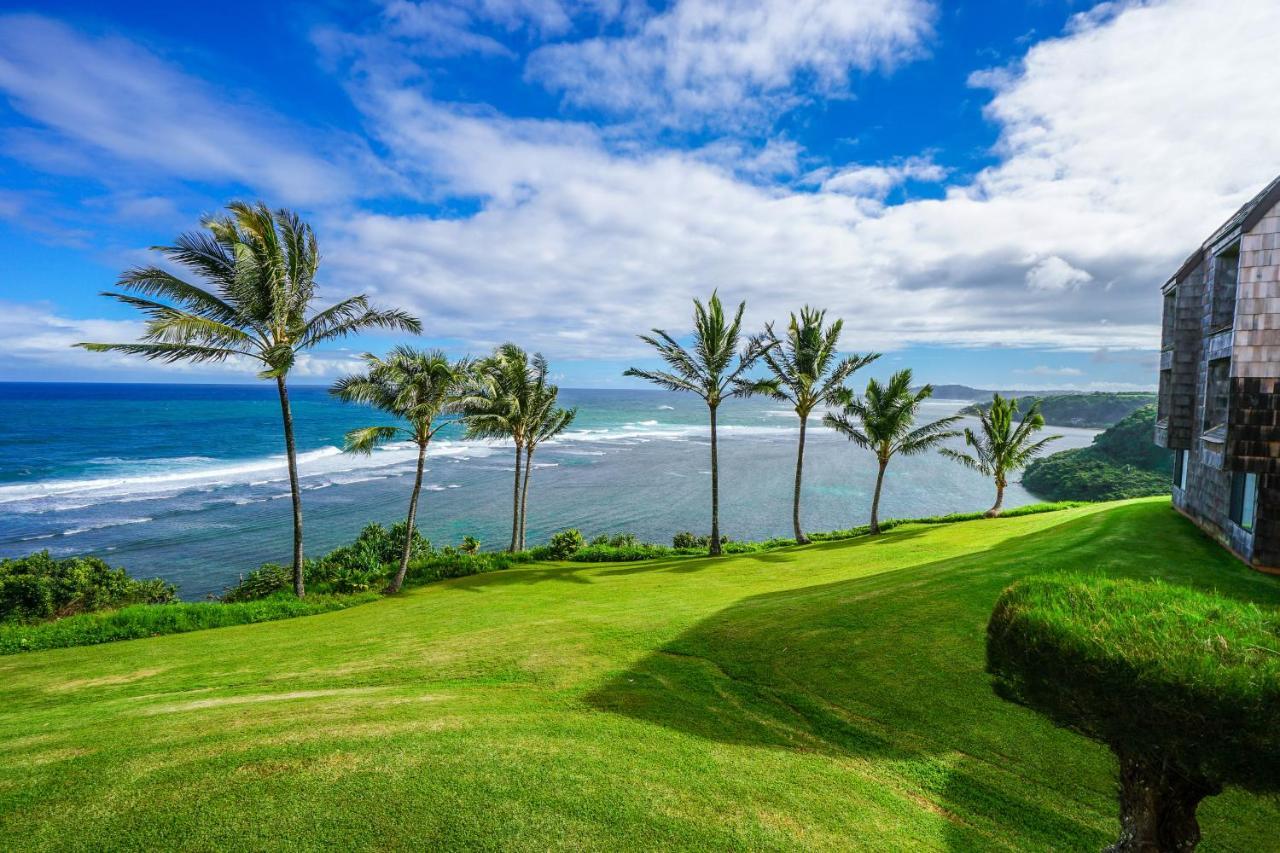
x=1122 y=462
x=1097 y=410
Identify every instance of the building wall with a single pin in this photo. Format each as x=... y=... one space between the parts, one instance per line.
x=1252 y=442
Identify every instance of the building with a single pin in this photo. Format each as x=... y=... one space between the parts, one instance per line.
x=1219 y=407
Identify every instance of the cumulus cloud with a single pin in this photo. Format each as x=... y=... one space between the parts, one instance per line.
x=721 y=62
x=1045 y=370
x=104 y=96
x=877 y=181
x=1054 y=275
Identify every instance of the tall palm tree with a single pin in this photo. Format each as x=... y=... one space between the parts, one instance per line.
x=419 y=388
x=257 y=270
x=1002 y=447
x=707 y=371
x=501 y=403
x=546 y=421
x=883 y=421
x=807 y=372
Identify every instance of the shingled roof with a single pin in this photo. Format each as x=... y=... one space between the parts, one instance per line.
x=1243 y=219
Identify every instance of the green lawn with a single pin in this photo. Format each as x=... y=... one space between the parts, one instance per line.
x=830 y=696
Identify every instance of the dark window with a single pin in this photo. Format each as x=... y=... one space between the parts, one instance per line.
x=1164 y=401
x=1216 y=395
x=1226 y=271
x=1180 y=462
x=1170 y=319
x=1244 y=499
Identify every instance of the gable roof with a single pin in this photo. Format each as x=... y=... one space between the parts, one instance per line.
x=1243 y=220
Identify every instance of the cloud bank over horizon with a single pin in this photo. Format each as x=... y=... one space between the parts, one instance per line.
x=653 y=156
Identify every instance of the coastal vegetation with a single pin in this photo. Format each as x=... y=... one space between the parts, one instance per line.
x=708 y=371
x=258 y=271
x=1123 y=462
x=807 y=372
x=883 y=420
x=760 y=701
x=41 y=586
x=1000 y=447
x=417 y=388
x=1182 y=685
x=1095 y=410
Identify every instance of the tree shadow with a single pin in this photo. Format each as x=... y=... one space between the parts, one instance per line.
x=889 y=669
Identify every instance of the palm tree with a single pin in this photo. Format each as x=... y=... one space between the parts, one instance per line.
x=883 y=421
x=1002 y=447
x=417 y=387
x=546 y=421
x=707 y=371
x=257 y=270
x=501 y=404
x=807 y=372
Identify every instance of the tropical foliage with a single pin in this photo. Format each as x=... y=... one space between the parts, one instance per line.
x=807 y=372
x=709 y=371
x=254 y=303
x=41 y=586
x=546 y=421
x=1096 y=410
x=1123 y=462
x=883 y=420
x=1182 y=685
x=1002 y=445
x=419 y=388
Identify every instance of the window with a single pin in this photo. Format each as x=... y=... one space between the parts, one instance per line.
x=1170 y=319
x=1181 y=461
x=1216 y=394
x=1226 y=271
x=1244 y=499
x=1164 y=400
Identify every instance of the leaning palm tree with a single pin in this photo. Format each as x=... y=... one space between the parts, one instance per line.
x=807 y=372
x=257 y=270
x=500 y=405
x=707 y=371
x=1002 y=446
x=883 y=421
x=546 y=421
x=419 y=388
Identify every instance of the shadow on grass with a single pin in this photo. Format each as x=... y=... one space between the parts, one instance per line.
x=888 y=670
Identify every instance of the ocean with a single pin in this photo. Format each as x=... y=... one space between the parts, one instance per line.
x=188 y=482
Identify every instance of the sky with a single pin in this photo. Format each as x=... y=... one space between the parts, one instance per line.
x=988 y=192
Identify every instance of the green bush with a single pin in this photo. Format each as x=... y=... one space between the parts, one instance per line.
x=1183 y=686
x=687 y=540
x=565 y=543
x=151 y=620
x=39 y=586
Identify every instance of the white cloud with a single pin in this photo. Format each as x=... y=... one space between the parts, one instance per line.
x=106 y=96
x=1103 y=162
x=1045 y=370
x=1054 y=275
x=877 y=181
x=728 y=61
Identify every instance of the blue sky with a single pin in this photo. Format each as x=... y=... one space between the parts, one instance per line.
x=988 y=192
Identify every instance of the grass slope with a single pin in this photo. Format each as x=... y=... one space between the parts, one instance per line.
x=830 y=696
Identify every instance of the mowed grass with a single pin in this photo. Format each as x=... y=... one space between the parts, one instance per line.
x=825 y=697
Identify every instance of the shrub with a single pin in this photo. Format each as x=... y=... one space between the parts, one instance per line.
x=685 y=539
x=470 y=545
x=565 y=543
x=1183 y=686
x=608 y=553
x=39 y=586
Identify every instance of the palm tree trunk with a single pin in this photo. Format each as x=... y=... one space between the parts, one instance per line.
x=524 y=491
x=999 y=504
x=715 y=490
x=875 y=501
x=515 y=503
x=291 y=452
x=412 y=518
x=801 y=539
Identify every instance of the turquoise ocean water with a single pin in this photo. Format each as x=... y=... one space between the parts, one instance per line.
x=188 y=482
